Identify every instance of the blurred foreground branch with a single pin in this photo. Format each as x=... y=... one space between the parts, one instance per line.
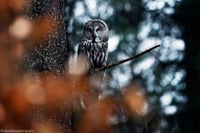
x=128 y=59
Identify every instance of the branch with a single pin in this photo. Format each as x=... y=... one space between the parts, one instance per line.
x=128 y=59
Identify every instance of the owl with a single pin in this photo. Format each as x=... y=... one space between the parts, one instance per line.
x=94 y=44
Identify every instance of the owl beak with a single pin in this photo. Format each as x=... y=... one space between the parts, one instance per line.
x=94 y=38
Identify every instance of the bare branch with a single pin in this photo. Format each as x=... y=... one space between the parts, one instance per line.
x=128 y=59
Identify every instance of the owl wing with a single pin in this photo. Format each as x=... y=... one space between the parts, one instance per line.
x=80 y=48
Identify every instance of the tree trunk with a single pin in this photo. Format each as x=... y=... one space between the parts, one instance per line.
x=187 y=16
x=50 y=47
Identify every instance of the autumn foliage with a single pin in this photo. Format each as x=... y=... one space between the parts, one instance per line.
x=47 y=103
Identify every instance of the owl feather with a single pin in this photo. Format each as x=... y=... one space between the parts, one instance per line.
x=94 y=44
x=93 y=50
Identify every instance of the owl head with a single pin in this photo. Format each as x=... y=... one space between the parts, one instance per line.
x=95 y=31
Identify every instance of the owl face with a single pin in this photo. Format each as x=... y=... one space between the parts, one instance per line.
x=95 y=31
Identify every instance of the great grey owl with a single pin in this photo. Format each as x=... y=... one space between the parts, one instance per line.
x=94 y=44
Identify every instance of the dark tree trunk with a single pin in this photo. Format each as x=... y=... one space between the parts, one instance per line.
x=188 y=15
x=50 y=51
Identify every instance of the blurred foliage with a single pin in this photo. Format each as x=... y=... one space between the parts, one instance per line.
x=138 y=25
x=45 y=102
x=137 y=96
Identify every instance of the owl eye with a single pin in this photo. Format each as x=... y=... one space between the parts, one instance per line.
x=89 y=29
x=98 y=30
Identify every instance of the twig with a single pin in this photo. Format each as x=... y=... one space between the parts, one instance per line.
x=128 y=59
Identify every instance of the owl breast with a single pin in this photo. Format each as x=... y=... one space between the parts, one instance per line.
x=95 y=53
